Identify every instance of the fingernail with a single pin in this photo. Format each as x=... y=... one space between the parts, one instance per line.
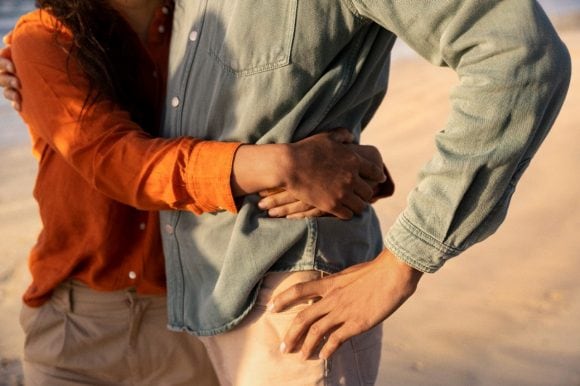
x=10 y=68
x=14 y=83
x=283 y=348
x=261 y=205
x=270 y=307
x=322 y=356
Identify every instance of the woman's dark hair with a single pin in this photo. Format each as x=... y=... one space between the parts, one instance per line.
x=109 y=53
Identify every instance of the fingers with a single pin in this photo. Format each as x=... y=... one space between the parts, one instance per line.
x=304 y=332
x=14 y=97
x=269 y=192
x=342 y=212
x=275 y=199
x=295 y=208
x=6 y=64
x=364 y=190
x=318 y=332
x=9 y=81
x=342 y=135
x=298 y=293
x=371 y=171
x=336 y=339
x=309 y=213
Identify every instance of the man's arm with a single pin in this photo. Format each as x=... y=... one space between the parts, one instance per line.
x=514 y=73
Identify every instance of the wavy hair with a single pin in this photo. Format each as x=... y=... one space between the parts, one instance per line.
x=108 y=52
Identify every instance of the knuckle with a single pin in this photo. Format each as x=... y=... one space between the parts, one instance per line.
x=298 y=290
x=316 y=330
x=300 y=320
x=360 y=326
x=335 y=340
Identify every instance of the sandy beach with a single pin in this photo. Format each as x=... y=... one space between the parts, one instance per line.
x=507 y=312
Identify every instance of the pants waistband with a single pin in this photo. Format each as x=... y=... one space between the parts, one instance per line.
x=74 y=296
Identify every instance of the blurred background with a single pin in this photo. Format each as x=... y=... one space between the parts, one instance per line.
x=507 y=312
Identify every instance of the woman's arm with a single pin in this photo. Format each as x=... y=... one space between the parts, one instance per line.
x=116 y=157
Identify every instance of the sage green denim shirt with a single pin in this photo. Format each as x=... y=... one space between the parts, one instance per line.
x=280 y=70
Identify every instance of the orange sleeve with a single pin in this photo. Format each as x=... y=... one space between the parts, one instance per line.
x=110 y=151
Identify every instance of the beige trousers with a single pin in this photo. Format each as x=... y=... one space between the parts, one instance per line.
x=84 y=337
x=248 y=355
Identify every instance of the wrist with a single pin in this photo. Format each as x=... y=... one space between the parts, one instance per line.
x=410 y=274
x=259 y=167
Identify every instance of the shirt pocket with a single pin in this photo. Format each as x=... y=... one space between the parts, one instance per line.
x=252 y=36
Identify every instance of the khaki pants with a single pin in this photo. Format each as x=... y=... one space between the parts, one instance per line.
x=248 y=355
x=84 y=337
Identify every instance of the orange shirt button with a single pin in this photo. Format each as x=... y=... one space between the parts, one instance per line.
x=132 y=275
x=142 y=226
x=161 y=29
x=165 y=10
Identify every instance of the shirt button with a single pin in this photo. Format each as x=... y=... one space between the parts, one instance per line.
x=132 y=275
x=165 y=10
x=161 y=29
x=175 y=101
x=168 y=229
x=193 y=36
x=142 y=226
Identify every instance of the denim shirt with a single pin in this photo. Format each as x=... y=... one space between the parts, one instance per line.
x=280 y=70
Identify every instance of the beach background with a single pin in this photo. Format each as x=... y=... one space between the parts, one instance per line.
x=506 y=312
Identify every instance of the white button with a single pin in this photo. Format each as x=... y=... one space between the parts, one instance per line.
x=132 y=275
x=169 y=229
x=165 y=10
x=175 y=101
x=193 y=36
x=161 y=29
x=142 y=226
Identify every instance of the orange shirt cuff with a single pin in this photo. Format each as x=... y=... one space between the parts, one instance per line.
x=209 y=180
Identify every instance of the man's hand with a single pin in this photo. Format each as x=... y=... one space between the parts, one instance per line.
x=8 y=80
x=351 y=302
x=325 y=172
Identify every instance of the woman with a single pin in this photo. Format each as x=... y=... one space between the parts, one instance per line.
x=93 y=76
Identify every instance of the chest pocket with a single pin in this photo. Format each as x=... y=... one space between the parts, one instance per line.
x=251 y=36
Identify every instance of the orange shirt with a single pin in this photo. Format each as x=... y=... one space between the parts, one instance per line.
x=94 y=173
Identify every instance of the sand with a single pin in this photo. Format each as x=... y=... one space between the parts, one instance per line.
x=507 y=312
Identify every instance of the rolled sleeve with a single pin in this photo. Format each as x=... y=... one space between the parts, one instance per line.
x=210 y=173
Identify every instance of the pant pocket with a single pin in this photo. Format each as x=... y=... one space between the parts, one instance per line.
x=44 y=333
x=367 y=352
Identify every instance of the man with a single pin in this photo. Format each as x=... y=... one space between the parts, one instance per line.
x=292 y=69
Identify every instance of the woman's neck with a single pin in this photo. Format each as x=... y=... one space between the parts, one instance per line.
x=138 y=13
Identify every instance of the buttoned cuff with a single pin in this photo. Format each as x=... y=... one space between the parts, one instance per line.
x=417 y=248
x=210 y=175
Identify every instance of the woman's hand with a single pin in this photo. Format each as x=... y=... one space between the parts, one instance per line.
x=8 y=80
x=280 y=203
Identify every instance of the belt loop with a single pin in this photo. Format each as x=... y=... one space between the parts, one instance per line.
x=69 y=297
